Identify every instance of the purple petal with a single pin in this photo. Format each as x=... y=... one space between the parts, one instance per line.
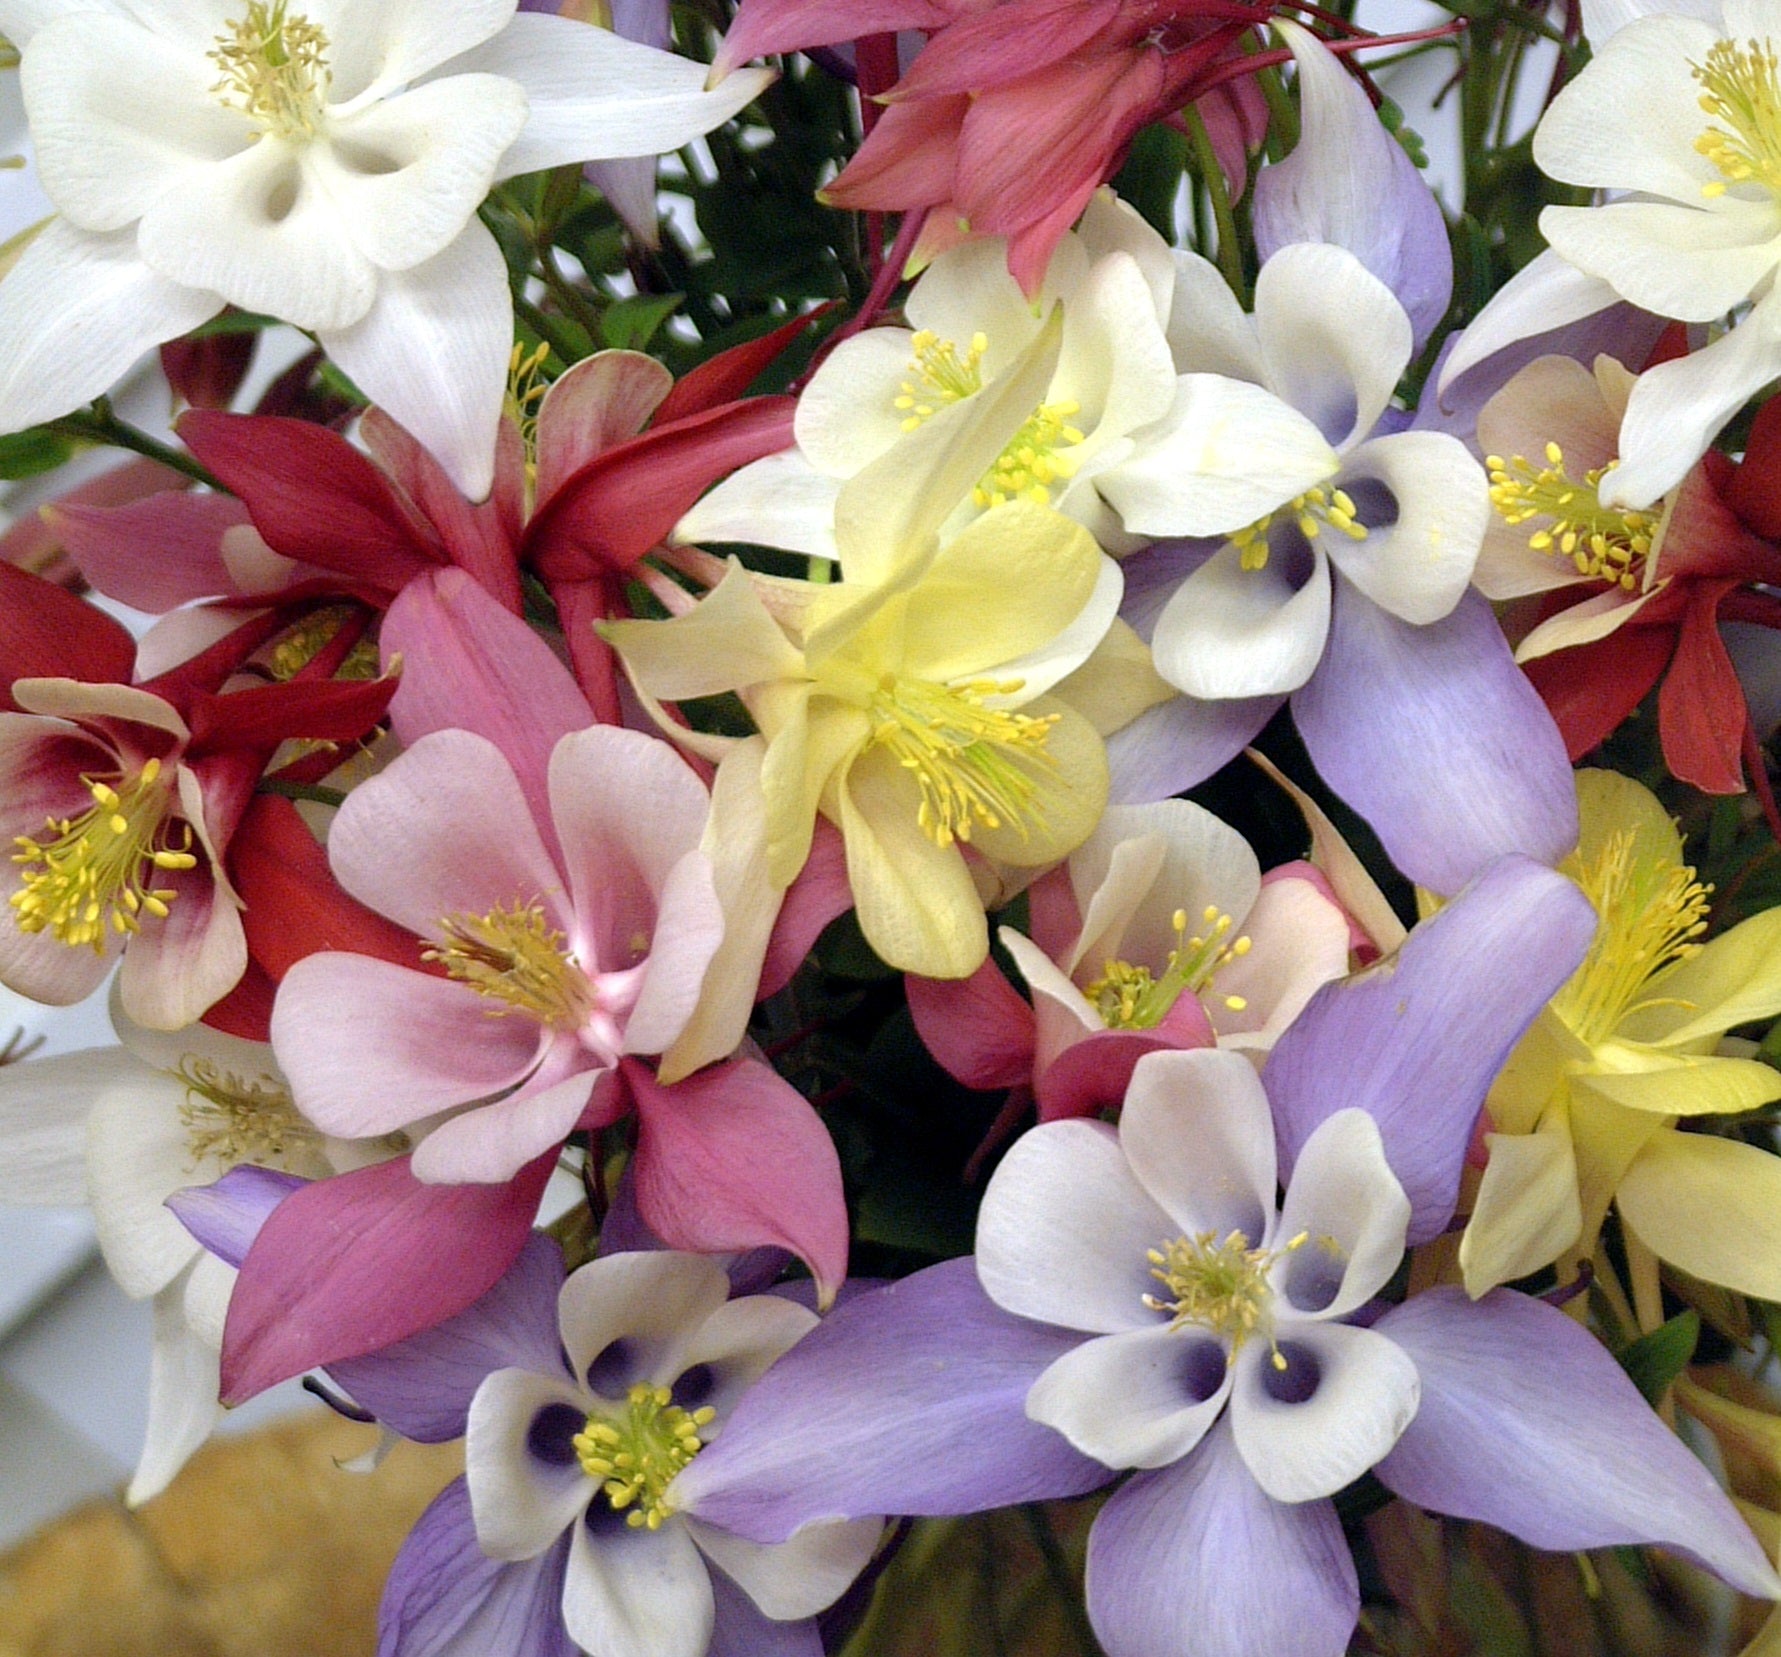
x=1527 y=1423
x=446 y=1598
x=226 y=1217
x=1195 y=1557
x=1435 y=736
x=1178 y=743
x=741 y=1630
x=911 y=1400
x=422 y=1387
x=1417 y=1039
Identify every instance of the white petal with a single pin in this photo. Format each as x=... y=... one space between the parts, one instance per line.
x=848 y=415
x=628 y=1317
x=1200 y=1139
x=1355 y=1394
x=1110 y=225
x=76 y=312
x=1603 y=19
x=1113 y=874
x=968 y=290
x=1226 y=454
x=1594 y=618
x=1353 y=1213
x=1231 y=632
x=779 y=501
x=595 y=96
x=432 y=353
x=1208 y=330
x=44 y=1104
x=184 y=1377
x=1417 y=564
x=119 y=117
x=732 y=1349
x=21 y=19
x=378 y=45
x=796 y=1578
x=1546 y=293
x=1141 y=1399
x=637 y=1593
x=1333 y=335
x=407 y=174
x=1115 y=363
x=261 y=230
x=208 y=1287
x=1065 y=1231
x=521 y=1501
x=138 y=1154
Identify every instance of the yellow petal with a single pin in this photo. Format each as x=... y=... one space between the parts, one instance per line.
x=1118 y=682
x=808 y=739
x=1735 y=979
x=727 y=641
x=1069 y=801
x=1535 y=1073
x=916 y=902
x=1609 y=804
x=1607 y=1139
x=1711 y=1206
x=1689 y=1086
x=1527 y=1213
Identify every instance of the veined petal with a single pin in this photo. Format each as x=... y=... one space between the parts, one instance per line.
x=1069 y=800
x=432 y=350
x=778 y=501
x=1527 y=1211
x=139 y=1153
x=727 y=641
x=380 y=45
x=647 y=1305
x=1209 y=332
x=1544 y=295
x=1711 y=1206
x=1683 y=1084
x=848 y=415
x=44 y=1104
x=1734 y=979
x=490 y=1144
x=786 y=1580
x=76 y=312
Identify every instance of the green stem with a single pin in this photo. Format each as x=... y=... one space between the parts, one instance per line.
x=547 y=329
x=313 y=792
x=1230 y=247
x=100 y=425
x=1063 y=1579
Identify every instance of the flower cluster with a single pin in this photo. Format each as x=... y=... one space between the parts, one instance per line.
x=1045 y=781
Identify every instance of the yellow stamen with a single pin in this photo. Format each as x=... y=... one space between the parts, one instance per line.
x=1129 y=998
x=526 y=386
x=274 y=65
x=1605 y=543
x=1651 y=909
x=1314 y=511
x=637 y=1455
x=296 y=649
x=1739 y=89
x=1219 y=1285
x=93 y=871
x=976 y=766
x=239 y=1118
x=516 y=958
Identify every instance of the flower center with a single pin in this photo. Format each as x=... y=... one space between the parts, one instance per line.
x=516 y=958
x=1314 y=511
x=95 y=869
x=975 y=766
x=1128 y=998
x=1651 y=912
x=274 y=65
x=298 y=647
x=526 y=386
x=1739 y=90
x=1034 y=458
x=238 y=1118
x=637 y=1455
x=1220 y=1285
x=1602 y=542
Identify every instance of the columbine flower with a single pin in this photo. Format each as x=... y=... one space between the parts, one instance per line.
x=318 y=160
x=1681 y=113
x=1661 y=572
x=1160 y=932
x=556 y=947
x=908 y=701
x=1587 y=1111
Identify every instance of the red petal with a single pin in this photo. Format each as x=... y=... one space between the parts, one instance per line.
x=815 y=898
x=208 y=372
x=1701 y=712
x=336 y=710
x=1592 y=688
x=980 y=1030
x=353 y=1264
x=48 y=633
x=730 y=373
x=246 y=1011
x=1755 y=492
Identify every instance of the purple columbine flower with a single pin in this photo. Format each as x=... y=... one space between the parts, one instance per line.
x=1138 y=1293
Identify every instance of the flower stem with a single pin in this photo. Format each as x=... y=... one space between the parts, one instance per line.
x=99 y=425
x=1230 y=246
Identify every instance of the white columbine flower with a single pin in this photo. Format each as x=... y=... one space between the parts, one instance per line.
x=321 y=161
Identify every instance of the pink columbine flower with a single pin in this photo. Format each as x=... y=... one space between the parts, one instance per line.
x=537 y=969
x=1161 y=932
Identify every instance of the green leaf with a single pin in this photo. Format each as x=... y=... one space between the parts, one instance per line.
x=26 y=454
x=630 y=324
x=1655 y=1360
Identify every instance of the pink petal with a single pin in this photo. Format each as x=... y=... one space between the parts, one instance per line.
x=725 y=377
x=601 y=402
x=689 y=928
x=1299 y=939
x=818 y=894
x=493 y=1142
x=353 y=1264
x=179 y=967
x=980 y=1029
x=734 y=1158
x=152 y=554
x=45 y=631
x=370 y=1047
x=1092 y=1075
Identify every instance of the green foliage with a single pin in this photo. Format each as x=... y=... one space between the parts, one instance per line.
x=1655 y=1360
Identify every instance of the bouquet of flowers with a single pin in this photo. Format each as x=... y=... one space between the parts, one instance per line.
x=845 y=813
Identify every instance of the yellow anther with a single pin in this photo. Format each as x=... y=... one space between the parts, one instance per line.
x=296 y=649
x=1312 y=512
x=1602 y=542
x=1218 y=1284
x=1129 y=997
x=239 y=1118
x=274 y=65
x=516 y=958
x=1739 y=90
x=526 y=386
x=637 y=1455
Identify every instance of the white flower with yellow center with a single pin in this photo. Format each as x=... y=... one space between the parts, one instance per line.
x=1679 y=117
x=320 y=161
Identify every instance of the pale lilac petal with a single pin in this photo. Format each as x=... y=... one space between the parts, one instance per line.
x=1144 y=1398
x=1528 y=1423
x=446 y=1598
x=1416 y=1040
x=370 y=1047
x=740 y=1630
x=796 y=1578
x=1178 y=743
x=494 y=1141
x=225 y=1217
x=1545 y=294
x=909 y=1399
x=1435 y=736
x=1196 y=1557
x=1065 y=1229
x=422 y=1387
x=1315 y=1412
x=526 y=1482
x=642 y=1592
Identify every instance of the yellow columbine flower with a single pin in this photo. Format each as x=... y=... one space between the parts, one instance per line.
x=908 y=701
x=1586 y=1111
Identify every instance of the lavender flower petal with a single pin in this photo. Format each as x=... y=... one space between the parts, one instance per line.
x=446 y=1598
x=742 y=1630
x=1416 y=1040
x=226 y=1217
x=1527 y=1423
x=911 y=1399
x=1178 y=743
x=1195 y=1557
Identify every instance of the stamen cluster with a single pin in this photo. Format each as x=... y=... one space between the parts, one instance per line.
x=274 y=67
x=638 y=1454
x=1314 y=511
x=1739 y=88
x=1603 y=542
x=1129 y=998
x=519 y=961
x=239 y=1119
x=1219 y=1284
